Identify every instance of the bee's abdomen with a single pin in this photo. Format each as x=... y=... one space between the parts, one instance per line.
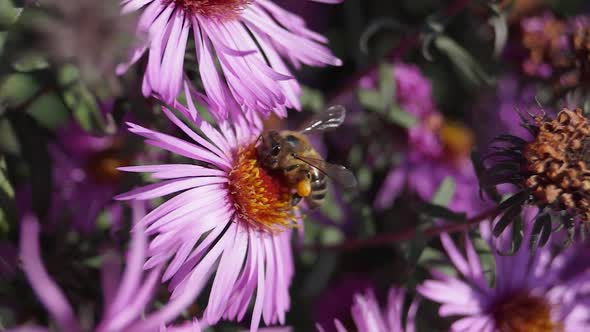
x=319 y=188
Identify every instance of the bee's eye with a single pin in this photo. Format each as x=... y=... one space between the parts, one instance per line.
x=275 y=150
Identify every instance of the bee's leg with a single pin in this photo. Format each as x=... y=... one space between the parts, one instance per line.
x=295 y=199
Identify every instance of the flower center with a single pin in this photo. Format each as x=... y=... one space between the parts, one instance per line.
x=262 y=199
x=101 y=167
x=524 y=313
x=558 y=159
x=218 y=9
x=456 y=139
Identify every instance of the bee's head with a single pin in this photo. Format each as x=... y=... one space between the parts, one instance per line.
x=269 y=149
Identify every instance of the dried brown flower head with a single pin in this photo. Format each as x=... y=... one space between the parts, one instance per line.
x=558 y=49
x=557 y=162
x=551 y=171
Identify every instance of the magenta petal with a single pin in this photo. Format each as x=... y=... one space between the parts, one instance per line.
x=46 y=289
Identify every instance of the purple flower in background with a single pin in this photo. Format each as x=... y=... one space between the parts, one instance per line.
x=557 y=49
x=229 y=215
x=369 y=317
x=335 y=302
x=527 y=294
x=86 y=176
x=126 y=295
x=413 y=91
x=436 y=149
x=239 y=47
x=500 y=112
x=546 y=39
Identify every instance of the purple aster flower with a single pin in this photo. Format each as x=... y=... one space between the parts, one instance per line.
x=435 y=149
x=413 y=91
x=85 y=169
x=369 y=317
x=229 y=215
x=500 y=112
x=126 y=295
x=336 y=300
x=240 y=46
x=526 y=295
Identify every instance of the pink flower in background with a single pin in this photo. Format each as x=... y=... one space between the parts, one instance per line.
x=126 y=295
x=369 y=317
x=527 y=293
x=85 y=176
x=239 y=46
x=435 y=148
x=229 y=215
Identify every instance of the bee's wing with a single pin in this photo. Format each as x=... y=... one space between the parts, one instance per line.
x=328 y=119
x=340 y=174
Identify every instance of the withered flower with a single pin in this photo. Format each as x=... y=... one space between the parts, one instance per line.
x=557 y=49
x=550 y=171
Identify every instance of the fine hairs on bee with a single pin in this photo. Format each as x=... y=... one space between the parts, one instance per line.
x=290 y=154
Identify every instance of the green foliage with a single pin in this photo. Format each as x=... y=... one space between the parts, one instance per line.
x=465 y=64
x=7 y=206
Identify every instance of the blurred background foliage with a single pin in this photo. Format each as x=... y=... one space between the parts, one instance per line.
x=53 y=67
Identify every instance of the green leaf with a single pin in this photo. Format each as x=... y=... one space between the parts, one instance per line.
x=364 y=177
x=509 y=217
x=486 y=257
x=371 y=99
x=33 y=139
x=7 y=205
x=49 y=110
x=386 y=83
x=541 y=231
x=93 y=262
x=17 y=89
x=331 y=235
x=68 y=75
x=312 y=99
x=30 y=62
x=517 y=237
x=8 y=141
x=500 y=25
x=467 y=67
x=445 y=192
x=412 y=250
x=84 y=106
x=401 y=117
x=9 y=13
x=437 y=211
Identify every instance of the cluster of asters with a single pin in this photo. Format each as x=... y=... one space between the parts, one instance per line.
x=224 y=227
x=557 y=50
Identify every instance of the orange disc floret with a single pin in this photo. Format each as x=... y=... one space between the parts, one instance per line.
x=523 y=312
x=262 y=200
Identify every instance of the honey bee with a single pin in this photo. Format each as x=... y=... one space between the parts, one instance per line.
x=305 y=171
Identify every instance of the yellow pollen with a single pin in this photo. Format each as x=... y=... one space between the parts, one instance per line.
x=523 y=312
x=261 y=199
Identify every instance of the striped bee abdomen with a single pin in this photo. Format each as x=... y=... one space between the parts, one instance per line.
x=319 y=188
